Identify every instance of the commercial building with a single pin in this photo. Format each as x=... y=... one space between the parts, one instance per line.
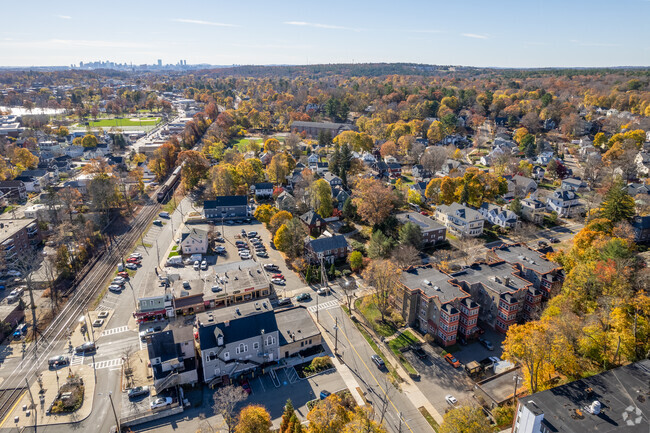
x=315 y=128
x=194 y=241
x=611 y=402
x=173 y=357
x=227 y=207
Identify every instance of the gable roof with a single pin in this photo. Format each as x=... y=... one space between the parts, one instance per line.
x=310 y=218
x=325 y=243
x=194 y=233
x=263 y=185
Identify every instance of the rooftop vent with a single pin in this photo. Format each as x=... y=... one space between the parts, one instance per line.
x=237 y=311
x=593 y=408
x=437 y=289
x=210 y=318
x=426 y=282
x=257 y=306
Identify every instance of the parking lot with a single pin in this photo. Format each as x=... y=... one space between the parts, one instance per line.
x=231 y=234
x=475 y=351
x=273 y=390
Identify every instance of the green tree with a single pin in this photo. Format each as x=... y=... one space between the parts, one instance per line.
x=356 y=260
x=290 y=238
x=515 y=206
x=380 y=245
x=411 y=234
x=618 y=205
x=321 y=198
x=349 y=210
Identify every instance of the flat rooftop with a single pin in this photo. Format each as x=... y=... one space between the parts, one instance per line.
x=296 y=322
x=526 y=257
x=496 y=277
x=235 y=278
x=501 y=387
x=236 y=311
x=433 y=283
x=426 y=223
x=623 y=392
x=11 y=226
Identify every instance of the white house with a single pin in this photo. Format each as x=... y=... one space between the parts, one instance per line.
x=194 y=241
x=565 y=203
x=263 y=190
x=460 y=220
x=500 y=216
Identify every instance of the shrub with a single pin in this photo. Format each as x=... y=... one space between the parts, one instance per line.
x=321 y=363
x=429 y=338
x=397 y=319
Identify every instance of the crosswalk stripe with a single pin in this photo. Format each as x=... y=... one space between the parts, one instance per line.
x=77 y=360
x=107 y=364
x=323 y=306
x=115 y=330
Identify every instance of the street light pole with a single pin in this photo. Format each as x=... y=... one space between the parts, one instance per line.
x=516 y=379
x=336 y=336
x=117 y=422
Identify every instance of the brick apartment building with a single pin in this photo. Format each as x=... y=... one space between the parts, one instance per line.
x=16 y=237
x=507 y=289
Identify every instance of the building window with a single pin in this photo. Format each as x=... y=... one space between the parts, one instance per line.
x=270 y=340
x=226 y=356
x=256 y=345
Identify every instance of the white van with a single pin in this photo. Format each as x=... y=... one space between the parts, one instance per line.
x=175 y=261
x=163 y=214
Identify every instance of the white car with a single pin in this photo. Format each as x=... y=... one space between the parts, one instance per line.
x=204 y=265
x=115 y=288
x=245 y=256
x=119 y=280
x=322 y=291
x=244 y=252
x=451 y=399
x=161 y=402
x=136 y=256
x=197 y=265
x=278 y=281
x=17 y=292
x=131 y=266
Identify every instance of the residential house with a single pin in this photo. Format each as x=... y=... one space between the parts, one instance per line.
x=194 y=241
x=564 y=203
x=314 y=222
x=488 y=160
x=340 y=196
x=320 y=167
x=333 y=180
x=533 y=210
x=460 y=220
x=13 y=190
x=312 y=159
x=544 y=158
x=523 y=186
x=173 y=358
x=315 y=128
x=368 y=158
x=641 y=226
x=328 y=248
x=500 y=216
x=31 y=184
x=227 y=207
x=538 y=172
x=642 y=161
x=420 y=188
x=265 y=158
x=262 y=190
x=394 y=169
x=572 y=184
x=285 y=201
x=420 y=173
x=448 y=167
x=606 y=402
x=432 y=231
x=380 y=168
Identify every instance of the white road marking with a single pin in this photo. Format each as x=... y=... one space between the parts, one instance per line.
x=323 y=306
x=114 y=330
x=107 y=364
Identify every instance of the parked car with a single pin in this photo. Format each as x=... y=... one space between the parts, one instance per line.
x=284 y=301
x=124 y=275
x=220 y=240
x=138 y=391
x=197 y=265
x=186 y=284
x=161 y=402
x=420 y=353
x=271 y=267
x=451 y=399
x=245 y=256
x=163 y=214
x=542 y=244
x=378 y=361
x=157 y=222
x=452 y=360
x=133 y=260
x=216 y=289
x=322 y=291
x=554 y=240
x=131 y=266
x=278 y=281
x=262 y=254
x=324 y=394
x=279 y=276
x=17 y=292
x=303 y=297
x=115 y=288
x=246 y=386
x=20 y=331
x=119 y=280
x=102 y=314
x=252 y=234
x=136 y=255
x=204 y=265
x=487 y=343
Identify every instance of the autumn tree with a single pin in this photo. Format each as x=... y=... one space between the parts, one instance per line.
x=195 y=168
x=355 y=258
x=253 y=419
x=290 y=238
x=436 y=132
x=251 y=171
x=279 y=167
x=465 y=419
x=265 y=212
x=374 y=201
x=272 y=145
x=321 y=198
x=278 y=220
x=389 y=148
x=23 y=159
x=290 y=422
x=382 y=276
x=89 y=140
x=226 y=179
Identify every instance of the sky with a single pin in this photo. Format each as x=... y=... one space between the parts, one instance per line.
x=522 y=33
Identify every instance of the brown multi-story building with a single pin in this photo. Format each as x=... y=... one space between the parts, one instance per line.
x=16 y=237
x=432 y=231
x=508 y=289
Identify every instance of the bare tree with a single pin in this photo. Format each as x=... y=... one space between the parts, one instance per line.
x=406 y=255
x=349 y=287
x=382 y=276
x=523 y=232
x=127 y=357
x=593 y=171
x=434 y=157
x=471 y=249
x=225 y=400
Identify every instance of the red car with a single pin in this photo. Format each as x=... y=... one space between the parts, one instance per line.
x=280 y=276
x=123 y=274
x=133 y=260
x=246 y=386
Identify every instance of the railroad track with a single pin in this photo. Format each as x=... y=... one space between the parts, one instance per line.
x=85 y=293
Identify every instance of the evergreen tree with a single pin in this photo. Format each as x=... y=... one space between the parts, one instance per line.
x=289 y=413
x=411 y=234
x=464 y=194
x=332 y=271
x=349 y=210
x=515 y=206
x=345 y=157
x=335 y=162
x=380 y=245
x=618 y=204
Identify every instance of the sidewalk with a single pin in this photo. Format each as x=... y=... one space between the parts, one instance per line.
x=50 y=388
x=343 y=370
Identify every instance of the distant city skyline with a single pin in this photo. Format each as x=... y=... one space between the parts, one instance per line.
x=537 y=33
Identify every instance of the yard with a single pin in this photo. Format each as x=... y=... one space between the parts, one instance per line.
x=242 y=143
x=404 y=340
x=372 y=315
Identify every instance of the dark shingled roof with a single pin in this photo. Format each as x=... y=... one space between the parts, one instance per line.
x=623 y=392
x=328 y=243
x=311 y=217
x=225 y=200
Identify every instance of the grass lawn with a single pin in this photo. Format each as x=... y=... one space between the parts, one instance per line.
x=404 y=340
x=371 y=313
x=107 y=123
x=406 y=180
x=241 y=143
x=173 y=253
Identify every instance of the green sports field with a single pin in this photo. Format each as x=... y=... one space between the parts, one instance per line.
x=107 y=123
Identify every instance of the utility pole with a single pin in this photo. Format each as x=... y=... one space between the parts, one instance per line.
x=399 y=429
x=117 y=422
x=31 y=397
x=158 y=252
x=516 y=379
x=336 y=336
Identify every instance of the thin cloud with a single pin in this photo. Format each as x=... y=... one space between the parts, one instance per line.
x=474 y=36
x=67 y=43
x=317 y=25
x=425 y=31
x=64 y=17
x=203 y=23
